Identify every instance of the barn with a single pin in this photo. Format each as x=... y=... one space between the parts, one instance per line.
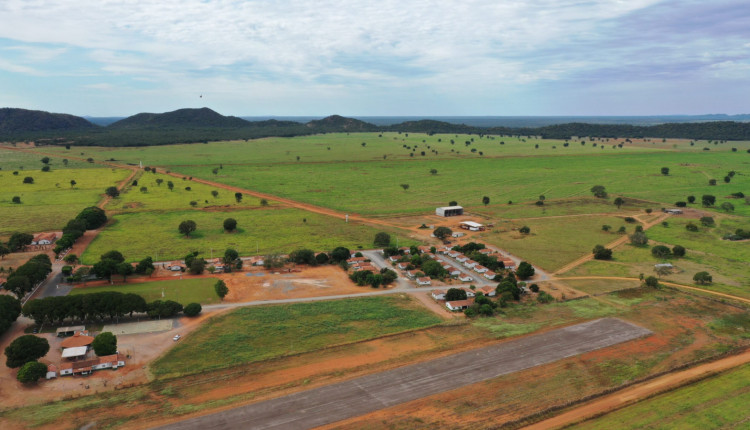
x=447 y=211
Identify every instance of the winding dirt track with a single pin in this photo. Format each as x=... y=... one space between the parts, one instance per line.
x=631 y=395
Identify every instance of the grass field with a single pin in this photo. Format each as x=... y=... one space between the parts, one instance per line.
x=553 y=242
x=189 y=290
x=258 y=333
x=714 y=403
x=50 y=201
x=601 y=286
x=260 y=231
x=12 y=160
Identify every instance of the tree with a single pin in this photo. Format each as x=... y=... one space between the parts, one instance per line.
x=545 y=297
x=263 y=202
x=340 y=254
x=702 y=278
x=230 y=256
x=665 y=171
x=238 y=197
x=3 y=251
x=214 y=193
x=619 y=201
x=159 y=181
x=112 y=192
x=405 y=186
x=678 y=251
x=452 y=203
x=24 y=349
x=28 y=180
x=186 y=227
x=144 y=266
x=727 y=207
x=230 y=224
x=606 y=227
x=712 y=182
x=321 y=258
x=485 y=200
x=302 y=256
x=691 y=199
x=707 y=221
x=170 y=185
x=73 y=183
x=455 y=294
x=197 y=266
x=113 y=255
x=16 y=200
x=661 y=251
x=124 y=270
x=433 y=171
x=221 y=289
x=442 y=232
x=382 y=239
x=525 y=270
x=708 y=200
x=17 y=241
x=31 y=372
x=599 y=191
x=93 y=216
x=433 y=269
x=524 y=230
x=638 y=238
x=144 y=189
x=192 y=310
x=602 y=253
x=652 y=282
x=105 y=344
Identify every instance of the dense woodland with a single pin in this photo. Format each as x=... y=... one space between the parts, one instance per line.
x=204 y=125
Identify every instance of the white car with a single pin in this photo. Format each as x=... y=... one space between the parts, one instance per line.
x=176 y=338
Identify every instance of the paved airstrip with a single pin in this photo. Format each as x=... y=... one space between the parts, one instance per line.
x=324 y=405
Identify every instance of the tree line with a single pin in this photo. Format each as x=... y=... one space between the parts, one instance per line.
x=28 y=275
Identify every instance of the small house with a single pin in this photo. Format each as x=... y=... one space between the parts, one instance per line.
x=489 y=274
x=487 y=291
x=470 y=263
x=51 y=371
x=405 y=249
x=394 y=258
x=458 y=305
x=457 y=234
x=453 y=254
x=480 y=269
x=402 y=266
x=423 y=281
x=462 y=258
x=465 y=278
x=412 y=273
x=175 y=266
x=438 y=294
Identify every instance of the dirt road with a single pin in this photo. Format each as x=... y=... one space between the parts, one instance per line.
x=331 y=403
x=640 y=391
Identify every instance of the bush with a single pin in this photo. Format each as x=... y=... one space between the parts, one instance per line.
x=680 y=204
x=525 y=270
x=524 y=230
x=105 y=344
x=340 y=254
x=544 y=297
x=303 y=256
x=382 y=239
x=534 y=288
x=652 y=282
x=606 y=227
x=221 y=289
x=638 y=238
x=28 y=180
x=230 y=224
x=192 y=310
x=321 y=258
x=702 y=278
x=602 y=253
x=630 y=220
x=678 y=251
x=31 y=371
x=661 y=251
x=707 y=221
x=691 y=227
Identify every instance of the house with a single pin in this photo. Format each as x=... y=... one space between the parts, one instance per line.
x=453 y=271
x=489 y=274
x=487 y=291
x=453 y=254
x=457 y=234
x=458 y=305
x=485 y=251
x=673 y=211
x=356 y=260
x=175 y=266
x=412 y=273
x=508 y=263
x=256 y=261
x=424 y=248
x=430 y=255
x=480 y=269
x=425 y=280
x=465 y=278
x=438 y=294
x=469 y=292
x=218 y=264
x=462 y=258
x=444 y=250
x=88 y=366
x=51 y=371
x=471 y=226
x=402 y=266
x=470 y=263
x=663 y=266
x=405 y=249
x=394 y=258
x=44 y=239
x=447 y=211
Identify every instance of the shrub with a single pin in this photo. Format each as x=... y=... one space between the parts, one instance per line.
x=707 y=221
x=524 y=230
x=639 y=239
x=230 y=224
x=382 y=239
x=105 y=344
x=691 y=227
x=678 y=251
x=652 y=282
x=602 y=253
x=702 y=278
x=534 y=288
x=680 y=204
x=661 y=251
x=544 y=297
x=192 y=310
x=28 y=180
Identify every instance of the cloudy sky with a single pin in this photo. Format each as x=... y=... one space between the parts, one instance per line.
x=385 y=57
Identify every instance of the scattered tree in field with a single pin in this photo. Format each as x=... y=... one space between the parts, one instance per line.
x=16 y=200
x=340 y=254
x=455 y=294
x=230 y=224
x=215 y=171
x=28 y=180
x=170 y=185
x=263 y=202
x=665 y=171
x=599 y=191
x=65 y=162
x=186 y=227
x=638 y=238
x=238 y=197
x=652 y=281
x=452 y=203
x=524 y=230
x=25 y=349
x=221 y=289
x=708 y=200
x=707 y=221
x=159 y=181
x=45 y=160
x=691 y=199
x=602 y=253
x=691 y=227
x=31 y=372
x=712 y=182
x=105 y=344
x=702 y=278
x=525 y=270
x=405 y=186
x=214 y=193
x=192 y=310
x=433 y=171
x=442 y=232
x=485 y=200
x=619 y=201
x=112 y=192
x=661 y=251
x=727 y=207
x=678 y=251
x=46 y=168
x=606 y=227
x=382 y=239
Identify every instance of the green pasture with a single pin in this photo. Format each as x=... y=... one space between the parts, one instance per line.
x=564 y=207
x=601 y=286
x=260 y=231
x=715 y=403
x=375 y=187
x=159 y=197
x=50 y=201
x=336 y=147
x=554 y=242
x=260 y=333
x=12 y=160
x=188 y=290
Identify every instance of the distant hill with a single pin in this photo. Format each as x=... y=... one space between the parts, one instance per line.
x=340 y=123
x=188 y=118
x=17 y=121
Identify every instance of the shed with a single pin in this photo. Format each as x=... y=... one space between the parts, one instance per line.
x=69 y=331
x=446 y=211
x=458 y=305
x=471 y=226
x=425 y=280
x=75 y=352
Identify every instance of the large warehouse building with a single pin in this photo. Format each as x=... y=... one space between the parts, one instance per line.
x=449 y=211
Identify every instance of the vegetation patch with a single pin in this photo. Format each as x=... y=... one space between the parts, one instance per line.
x=188 y=290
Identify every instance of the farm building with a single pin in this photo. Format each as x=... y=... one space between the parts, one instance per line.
x=663 y=266
x=425 y=280
x=51 y=371
x=673 y=211
x=88 y=366
x=458 y=305
x=174 y=266
x=69 y=331
x=44 y=239
x=446 y=211
x=79 y=338
x=438 y=294
x=471 y=226
x=75 y=352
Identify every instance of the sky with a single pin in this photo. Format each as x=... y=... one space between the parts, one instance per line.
x=385 y=57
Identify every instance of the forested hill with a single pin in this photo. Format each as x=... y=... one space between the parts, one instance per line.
x=203 y=125
x=13 y=121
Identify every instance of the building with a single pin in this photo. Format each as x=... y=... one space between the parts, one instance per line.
x=453 y=253
x=458 y=305
x=423 y=281
x=470 y=264
x=462 y=258
x=438 y=294
x=465 y=278
x=508 y=263
x=88 y=366
x=471 y=226
x=75 y=353
x=79 y=338
x=51 y=371
x=175 y=266
x=487 y=291
x=69 y=331
x=458 y=234
x=412 y=273
x=447 y=211
x=485 y=251
x=490 y=275
x=402 y=266
x=356 y=260
x=663 y=266
x=480 y=269
x=394 y=258
x=673 y=211
x=44 y=239
x=405 y=249
x=368 y=266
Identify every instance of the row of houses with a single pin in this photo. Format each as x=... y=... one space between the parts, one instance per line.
x=86 y=367
x=359 y=264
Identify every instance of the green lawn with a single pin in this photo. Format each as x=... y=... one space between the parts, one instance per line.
x=553 y=242
x=258 y=333
x=717 y=402
x=50 y=201
x=189 y=290
x=260 y=231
